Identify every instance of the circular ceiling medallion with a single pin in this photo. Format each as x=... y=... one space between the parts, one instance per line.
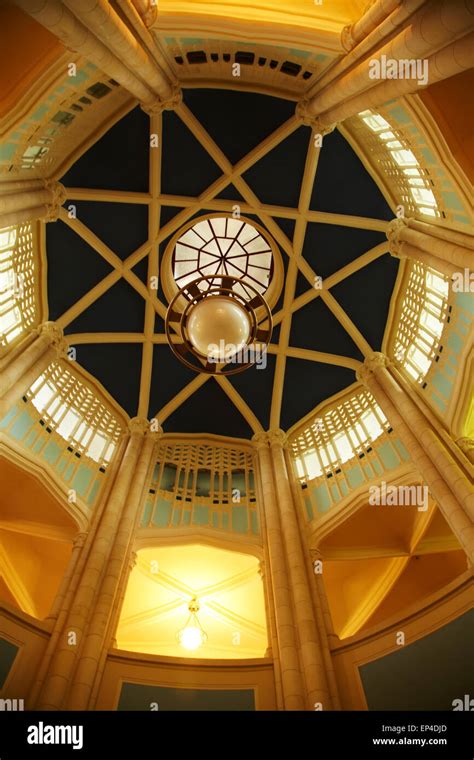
x=218 y=245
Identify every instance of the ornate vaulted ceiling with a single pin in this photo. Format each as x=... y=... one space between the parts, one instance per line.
x=131 y=199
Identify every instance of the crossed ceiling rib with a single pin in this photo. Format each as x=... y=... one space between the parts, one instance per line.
x=232 y=174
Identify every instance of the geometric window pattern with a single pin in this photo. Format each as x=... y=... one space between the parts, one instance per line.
x=402 y=166
x=71 y=409
x=17 y=285
x=422 y=319
x=343 y=432
x=223 y=246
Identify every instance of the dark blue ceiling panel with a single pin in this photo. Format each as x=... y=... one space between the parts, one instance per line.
x=118 y=160
x=343 y=185
x=365 y=297
x=119 y=309
x=117 y=366
x=227 y=113
x=328 y=247
x=208 y=410
x=314 y=326
x=307 y=384
x=122 y=238
x=73 y=268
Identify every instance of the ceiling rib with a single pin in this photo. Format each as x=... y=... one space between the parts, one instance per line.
x=190 y=206
x=311 y=164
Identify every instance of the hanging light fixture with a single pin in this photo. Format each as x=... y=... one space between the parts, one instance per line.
x=193 y=635
x=219 y=330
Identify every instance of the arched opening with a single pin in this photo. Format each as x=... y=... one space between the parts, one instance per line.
x=227 y=587
x=36 y=535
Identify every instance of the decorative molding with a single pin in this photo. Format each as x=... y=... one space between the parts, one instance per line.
x=373 y=362
x=260 y=441
x=307 y=118
x=393 y=231
x=170 y=104
x=347 y=40
x=54 y=333
x=466 y=445
x=277 y=437
x=79 y=540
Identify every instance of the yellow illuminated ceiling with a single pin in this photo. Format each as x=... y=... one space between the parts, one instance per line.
x=382 y=560
x=229 y=590
x=36 y=537
x=304 y=13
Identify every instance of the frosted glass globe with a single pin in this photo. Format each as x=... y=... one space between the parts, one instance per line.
x=218 y=327
x=191 y=638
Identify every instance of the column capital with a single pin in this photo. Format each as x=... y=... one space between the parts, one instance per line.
x=79 y=540
x=466 y=445
x=277 y=437
x=261 y=569
x=307 y=118
x=347 y=40
x=260 y=441
x=372 y=362
x=142 y=426
x=132 y=560
x=54 y=333
x=58 y=196
x=169 y=104
x=394 y=229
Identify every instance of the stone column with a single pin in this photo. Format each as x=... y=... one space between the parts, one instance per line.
x=441 y=472
x=268 y=592
x=442 y=254
x=317 y=688
x=132 y=562
x=97 y=641
x=291 y=676
x=110 y=640
x=19 y=372
x=102 y=20
x=55 y=17
x=434 y=33
x=78 y=543
x=18 y=205
x=467 y=446
x=318 y=591
x=96 y=572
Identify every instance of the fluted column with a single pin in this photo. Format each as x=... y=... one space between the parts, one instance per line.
x=419 y=242
x=121 y=593
x=102 y=20
x=59 y=20
x=20 y=371
x=439 y=32
x=77 y=546
x=292 y=683
x=115 y=518
x=96 y=642
x=444 y=477
x=312 y=660
x=25 y=204
x=317 y=589
x=372 y=18
x=467 y=447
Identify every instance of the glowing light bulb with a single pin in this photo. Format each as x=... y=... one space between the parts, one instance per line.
x=191 y=638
